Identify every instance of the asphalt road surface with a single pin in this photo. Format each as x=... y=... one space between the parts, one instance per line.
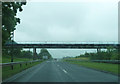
x=58 y=71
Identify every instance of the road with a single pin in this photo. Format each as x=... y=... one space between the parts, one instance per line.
x=58 y=71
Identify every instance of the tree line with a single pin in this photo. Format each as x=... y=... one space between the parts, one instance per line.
x=21 y=53
x=109 y=54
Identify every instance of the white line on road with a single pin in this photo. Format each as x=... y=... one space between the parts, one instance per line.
x=65 y=71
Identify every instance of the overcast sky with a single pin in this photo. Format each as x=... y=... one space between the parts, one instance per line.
x=68 y=21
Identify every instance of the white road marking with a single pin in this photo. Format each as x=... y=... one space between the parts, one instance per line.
x=65 y=71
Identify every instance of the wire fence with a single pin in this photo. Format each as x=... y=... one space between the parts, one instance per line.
x=100 y=61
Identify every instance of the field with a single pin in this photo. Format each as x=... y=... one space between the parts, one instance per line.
x=106 y=67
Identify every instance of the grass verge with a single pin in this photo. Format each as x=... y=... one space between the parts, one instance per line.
x=8 y=59
x=106 y=67
x=7 y=72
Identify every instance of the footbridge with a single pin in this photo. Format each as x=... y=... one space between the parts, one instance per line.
x=75 y=45
x=63 y=45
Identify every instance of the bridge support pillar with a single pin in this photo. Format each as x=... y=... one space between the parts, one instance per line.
x=34 y=54
x=98 y=50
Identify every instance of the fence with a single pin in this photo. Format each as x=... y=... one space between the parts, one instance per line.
x=107 y=61
x=14 y=63
x=100 y=61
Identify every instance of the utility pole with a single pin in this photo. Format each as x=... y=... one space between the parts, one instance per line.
x=12 y=39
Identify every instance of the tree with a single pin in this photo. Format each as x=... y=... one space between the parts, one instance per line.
x=9 y=19
x=26 y=54
x=44 y=52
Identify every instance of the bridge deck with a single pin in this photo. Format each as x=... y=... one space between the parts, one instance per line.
x=78 y=46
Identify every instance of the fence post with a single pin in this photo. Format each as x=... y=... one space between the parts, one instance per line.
x=20 y=65
x=26 y=63
x=12 y=66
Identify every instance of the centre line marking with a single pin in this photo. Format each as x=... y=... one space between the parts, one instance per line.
x=65 y=71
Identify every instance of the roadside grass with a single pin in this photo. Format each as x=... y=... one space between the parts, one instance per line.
x=107 y=67
x=81 y=58
x=8 y=59
x=8 y=72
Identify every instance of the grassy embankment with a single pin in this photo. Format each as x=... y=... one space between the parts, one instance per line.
x=107 y=67
x=7 y=72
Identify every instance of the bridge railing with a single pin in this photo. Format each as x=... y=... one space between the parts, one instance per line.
x=66 y=42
